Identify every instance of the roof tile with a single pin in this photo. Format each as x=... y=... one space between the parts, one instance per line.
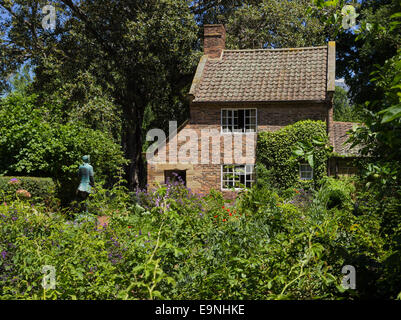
x=340 y=130
x=265 y=75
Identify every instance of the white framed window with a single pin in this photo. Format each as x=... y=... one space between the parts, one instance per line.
x=237 y=176
x=305 y=171
x=238 y=120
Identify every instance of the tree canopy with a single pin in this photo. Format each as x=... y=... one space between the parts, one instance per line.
x=136 y=54
x=123 y=66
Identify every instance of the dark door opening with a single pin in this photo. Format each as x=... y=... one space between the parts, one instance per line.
x=171 y=176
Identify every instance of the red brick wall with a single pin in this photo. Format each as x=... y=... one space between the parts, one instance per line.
x=214 y=40
x=271 y=117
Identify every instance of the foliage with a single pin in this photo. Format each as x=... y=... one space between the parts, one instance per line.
x=379 y=138
x=276 y=24
x=336 y=193
x=107 y=201
x=20 y=81
x=135 y=54
x=343 y=110
x=172 y=244
x=79 y=101
x=31 y=145
x=275 y=152
x=373 y=42
x=41 y=190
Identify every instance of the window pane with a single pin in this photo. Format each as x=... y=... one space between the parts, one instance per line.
x=238 y=176
x=241 y=120
x=305 y=172
x=251 y=120
x=238 y=120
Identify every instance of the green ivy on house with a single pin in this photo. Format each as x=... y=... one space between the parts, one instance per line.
x=275 y=161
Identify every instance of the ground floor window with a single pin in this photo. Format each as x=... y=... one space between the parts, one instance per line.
x=171 y=176
x=305 y=171
x=237 y=176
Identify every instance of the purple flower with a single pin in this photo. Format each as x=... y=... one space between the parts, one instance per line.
x=3 y=254
x=13 y=181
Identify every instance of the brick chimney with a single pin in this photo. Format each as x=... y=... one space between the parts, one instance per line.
x=215 y=40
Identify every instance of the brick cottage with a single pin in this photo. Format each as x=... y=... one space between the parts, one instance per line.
x=235 y=94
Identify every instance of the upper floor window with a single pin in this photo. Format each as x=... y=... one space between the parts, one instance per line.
x=305 y=171
x=238 y=120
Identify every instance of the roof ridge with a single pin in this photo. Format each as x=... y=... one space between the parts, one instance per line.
x=278 y=49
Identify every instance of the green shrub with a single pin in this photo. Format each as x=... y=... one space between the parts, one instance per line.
x=172 y=244
x=40 y=189
x=31 y=143
x=274 y=154
x=336 y=193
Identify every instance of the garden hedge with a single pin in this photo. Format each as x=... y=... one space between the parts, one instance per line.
x=275 y=162
x=40 y=189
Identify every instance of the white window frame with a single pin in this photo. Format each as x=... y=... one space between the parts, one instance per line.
x=232 y=121
x=305 y=171
x=248 y=169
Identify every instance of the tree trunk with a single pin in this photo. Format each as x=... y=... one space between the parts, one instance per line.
x=132 y=145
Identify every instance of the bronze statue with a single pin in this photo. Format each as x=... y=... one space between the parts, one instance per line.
x=86 y=174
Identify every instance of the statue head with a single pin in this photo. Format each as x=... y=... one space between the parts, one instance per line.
x=86 y=159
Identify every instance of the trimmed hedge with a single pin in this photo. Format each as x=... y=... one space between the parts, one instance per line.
x=275 y=164
x=40 y=189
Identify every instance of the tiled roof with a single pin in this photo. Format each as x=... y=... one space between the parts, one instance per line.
x=296 y=74
x=340 y=130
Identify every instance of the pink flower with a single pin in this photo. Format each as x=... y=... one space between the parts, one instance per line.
x=23 y=193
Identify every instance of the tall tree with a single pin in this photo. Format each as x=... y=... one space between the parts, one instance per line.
x=343 y=110
x=277 y=24
x=358 y=57
x=138 y=52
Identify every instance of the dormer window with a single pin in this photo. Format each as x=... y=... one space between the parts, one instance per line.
x=238 y=120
